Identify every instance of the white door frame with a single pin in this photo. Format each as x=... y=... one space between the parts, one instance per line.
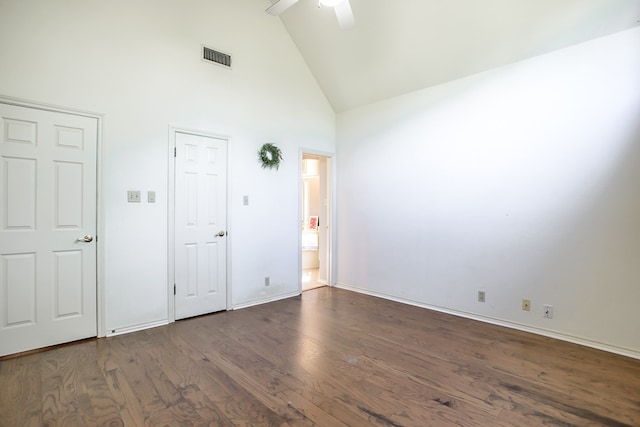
x=171 y=231
x=100 y=291
x=331 y=210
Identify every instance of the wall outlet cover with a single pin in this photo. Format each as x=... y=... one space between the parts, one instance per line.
x=481 y=296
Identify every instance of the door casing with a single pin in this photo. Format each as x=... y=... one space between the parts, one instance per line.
x=329 y=252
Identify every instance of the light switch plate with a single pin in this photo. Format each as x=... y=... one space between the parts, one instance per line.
x=151 y=196
x=133 y=196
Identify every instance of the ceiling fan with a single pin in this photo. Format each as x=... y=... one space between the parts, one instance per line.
x=341 y=7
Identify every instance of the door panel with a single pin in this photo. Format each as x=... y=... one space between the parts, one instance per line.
x=68 y=195
x=20 y=289
x=19 y=193
x=68 y=283
x=200 y=217
x=48 y=202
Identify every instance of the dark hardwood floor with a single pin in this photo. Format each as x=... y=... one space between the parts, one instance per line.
x=328 y=358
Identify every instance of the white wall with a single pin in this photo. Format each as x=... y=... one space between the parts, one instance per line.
x=138 y=63
x=521 y=181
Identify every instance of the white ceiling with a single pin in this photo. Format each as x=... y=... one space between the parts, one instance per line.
x=399 y=46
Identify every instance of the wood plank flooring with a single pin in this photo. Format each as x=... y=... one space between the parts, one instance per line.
x=328 y=358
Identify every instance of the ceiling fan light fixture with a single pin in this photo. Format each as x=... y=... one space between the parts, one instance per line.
x=330 y=3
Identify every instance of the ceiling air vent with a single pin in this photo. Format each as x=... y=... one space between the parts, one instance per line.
x=215 y=56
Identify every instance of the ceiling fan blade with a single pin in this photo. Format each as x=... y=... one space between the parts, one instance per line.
x=280 y=6
x=345 y=16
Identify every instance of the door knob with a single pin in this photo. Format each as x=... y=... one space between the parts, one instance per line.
x=87 y=238
x=221 y=233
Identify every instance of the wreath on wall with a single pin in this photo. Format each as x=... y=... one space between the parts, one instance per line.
x=270 y=156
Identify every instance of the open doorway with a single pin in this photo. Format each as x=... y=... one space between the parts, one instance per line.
x=315 y=216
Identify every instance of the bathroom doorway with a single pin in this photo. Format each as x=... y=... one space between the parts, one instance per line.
x=315 y=216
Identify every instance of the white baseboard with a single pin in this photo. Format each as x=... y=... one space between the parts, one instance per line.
x=265 y=300
x=501 y=322
x=135 y=328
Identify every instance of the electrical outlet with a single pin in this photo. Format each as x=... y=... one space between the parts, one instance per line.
x=481 y=296
x=526 y=305
x=548 y=311
x=133 y=196
x=267 y=281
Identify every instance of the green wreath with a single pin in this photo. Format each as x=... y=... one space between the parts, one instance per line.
x=270 y=156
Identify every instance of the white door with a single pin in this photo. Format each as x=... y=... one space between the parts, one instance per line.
x=200 y=225
x=47 y=207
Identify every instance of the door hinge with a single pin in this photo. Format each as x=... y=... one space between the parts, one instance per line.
x=175 y=151
x=174 y=288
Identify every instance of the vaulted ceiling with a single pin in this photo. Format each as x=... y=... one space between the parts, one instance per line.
x=399 y=46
